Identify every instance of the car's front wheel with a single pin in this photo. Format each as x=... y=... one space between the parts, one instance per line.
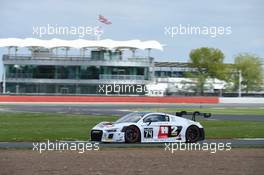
x=192 y=134
x=132 y=134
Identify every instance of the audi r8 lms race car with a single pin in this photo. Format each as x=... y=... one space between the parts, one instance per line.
x=150 y=127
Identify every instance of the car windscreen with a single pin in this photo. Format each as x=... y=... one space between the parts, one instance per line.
x=131 y=117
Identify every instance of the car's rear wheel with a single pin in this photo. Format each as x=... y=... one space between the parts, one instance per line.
x=192 y=134
x=132 y=134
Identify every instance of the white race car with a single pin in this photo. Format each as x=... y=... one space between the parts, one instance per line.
x=149 y=127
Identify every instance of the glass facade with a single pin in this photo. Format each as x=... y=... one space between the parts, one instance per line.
x=44 y=72
x=72 y=89
x=170 y=74
x=43 y=88
x=75 y=72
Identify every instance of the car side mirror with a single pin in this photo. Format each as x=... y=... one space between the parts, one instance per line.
x=149 y=121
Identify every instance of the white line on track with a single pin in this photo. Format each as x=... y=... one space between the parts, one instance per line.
x=250 y=139
x=124 y=110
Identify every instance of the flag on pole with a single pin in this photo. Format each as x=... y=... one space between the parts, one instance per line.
x=104 y=20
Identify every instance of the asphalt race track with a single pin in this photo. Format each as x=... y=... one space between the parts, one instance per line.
x=121 y=109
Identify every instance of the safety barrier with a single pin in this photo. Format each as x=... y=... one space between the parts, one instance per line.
x=109 y=99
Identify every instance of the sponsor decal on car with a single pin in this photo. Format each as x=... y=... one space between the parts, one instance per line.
x=169 y=131
x=163 y=131
x=148 y=132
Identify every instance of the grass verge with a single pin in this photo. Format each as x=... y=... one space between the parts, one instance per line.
x=43 y=126
x=233 y=129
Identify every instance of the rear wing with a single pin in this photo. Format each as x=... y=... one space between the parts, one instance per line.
x=193 y=114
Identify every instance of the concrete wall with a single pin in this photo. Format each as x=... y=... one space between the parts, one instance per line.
x=131 y=99
x=109 y=99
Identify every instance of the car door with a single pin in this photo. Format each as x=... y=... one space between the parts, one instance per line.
x=155 y=127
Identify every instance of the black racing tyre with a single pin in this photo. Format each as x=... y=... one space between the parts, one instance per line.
x=132 y=134
x=192 y=134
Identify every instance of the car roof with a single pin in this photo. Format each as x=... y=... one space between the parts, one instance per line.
x=142 y=113
x=145 y=113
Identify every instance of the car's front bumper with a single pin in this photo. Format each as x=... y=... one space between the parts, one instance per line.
x=105 y=136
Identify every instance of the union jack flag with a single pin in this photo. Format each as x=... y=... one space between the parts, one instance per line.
x=104 y=20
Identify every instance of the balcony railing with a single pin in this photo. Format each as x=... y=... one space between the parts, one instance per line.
x=121 y=77
x=19 y=75
x=74 y=76
x=71 y=58
x=51 y=76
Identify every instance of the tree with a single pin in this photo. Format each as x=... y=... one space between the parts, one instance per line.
x=208 y=63
x=251 y=70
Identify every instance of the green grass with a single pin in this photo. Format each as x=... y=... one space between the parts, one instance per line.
x=43 y=126
x=233 y=129
x=233 y=111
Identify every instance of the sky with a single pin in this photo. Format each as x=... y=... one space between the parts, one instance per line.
x=145 y=20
